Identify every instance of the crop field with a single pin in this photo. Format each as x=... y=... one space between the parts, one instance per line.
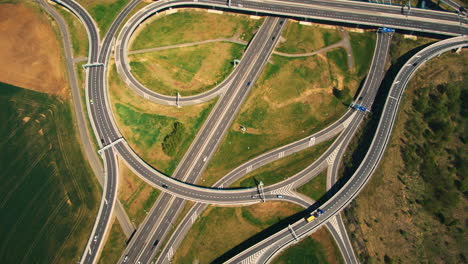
x=159 y=134
x=187 y=70
x=207 y=239
x=192 y=25
x=318 y=248
x=283 y=168
x=49 y=197
x=297 y=38
x=103 y=12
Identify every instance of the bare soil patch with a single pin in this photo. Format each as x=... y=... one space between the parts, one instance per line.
x=30 y=53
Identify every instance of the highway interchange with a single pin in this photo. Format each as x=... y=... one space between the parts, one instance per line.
x=234 y=90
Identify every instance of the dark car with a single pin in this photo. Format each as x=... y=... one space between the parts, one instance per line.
x=164 y=186
x=102 y=141
x=155 y=244
x=248 y=84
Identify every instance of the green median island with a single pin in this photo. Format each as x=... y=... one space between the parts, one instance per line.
x=159 y=134
x=186 y=70
x=318 y=248
x=114 y=246
x=49 y=196
x=179 y=26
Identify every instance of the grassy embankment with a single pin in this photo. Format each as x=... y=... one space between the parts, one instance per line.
x=159 y=134
x=292 y=98
x=297 y=38
x=316 y=187
x=219 y=229
x=50 y=204
x=413 y=209
x=136 y=196
x=188 y=70
x=114 y=246
x=281 y=169
x=193 y=25
x=77 y=31
x=318 y=248
x=103 y=12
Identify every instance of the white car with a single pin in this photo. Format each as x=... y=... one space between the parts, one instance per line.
x=95 y=238
x=279 y=196
x=205 y=158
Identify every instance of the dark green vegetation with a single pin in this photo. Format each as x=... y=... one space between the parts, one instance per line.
x=436 y=147
x=148 y=130
x=172 y=141
x=316 y=187
x=414 y=208
x=283 y=168
x=363 y=45
x=308 y=251
x=49 y=198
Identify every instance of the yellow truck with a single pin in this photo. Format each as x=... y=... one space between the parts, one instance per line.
x=310 y=218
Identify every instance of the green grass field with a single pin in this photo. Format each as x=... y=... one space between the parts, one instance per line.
x=103 y=12
x=292 y=98
x=303 y=38
x=49 y=197
x=78 y=35
x=147 y=125
x=319 y=248
x=362 y=45
x=316 y=187
x=281 y=169
x=222 y=228
x=193 y=25
x=114 y=246
x=187 y=70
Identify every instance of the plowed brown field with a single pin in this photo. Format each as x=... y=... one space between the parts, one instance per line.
x=30 y=53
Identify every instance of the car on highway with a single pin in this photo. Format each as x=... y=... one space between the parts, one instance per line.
x=91 y=101
x=95 y=238
x=248 y=83
x=205 y=158
x=155 y=244
x=279 y=196
x=165 y=186
x=254 y=196
x=125 y=259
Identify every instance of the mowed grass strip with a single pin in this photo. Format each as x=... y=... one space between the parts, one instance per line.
x=187 y=70
x=315 y=188
x=284 y=168
x=136 y=196
x=114 y=246
x=297 y=38
x=220 y=229
x=146 y=125
x=318 y=248
x=192 y=25
x=103 y=12
x=49 y=197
